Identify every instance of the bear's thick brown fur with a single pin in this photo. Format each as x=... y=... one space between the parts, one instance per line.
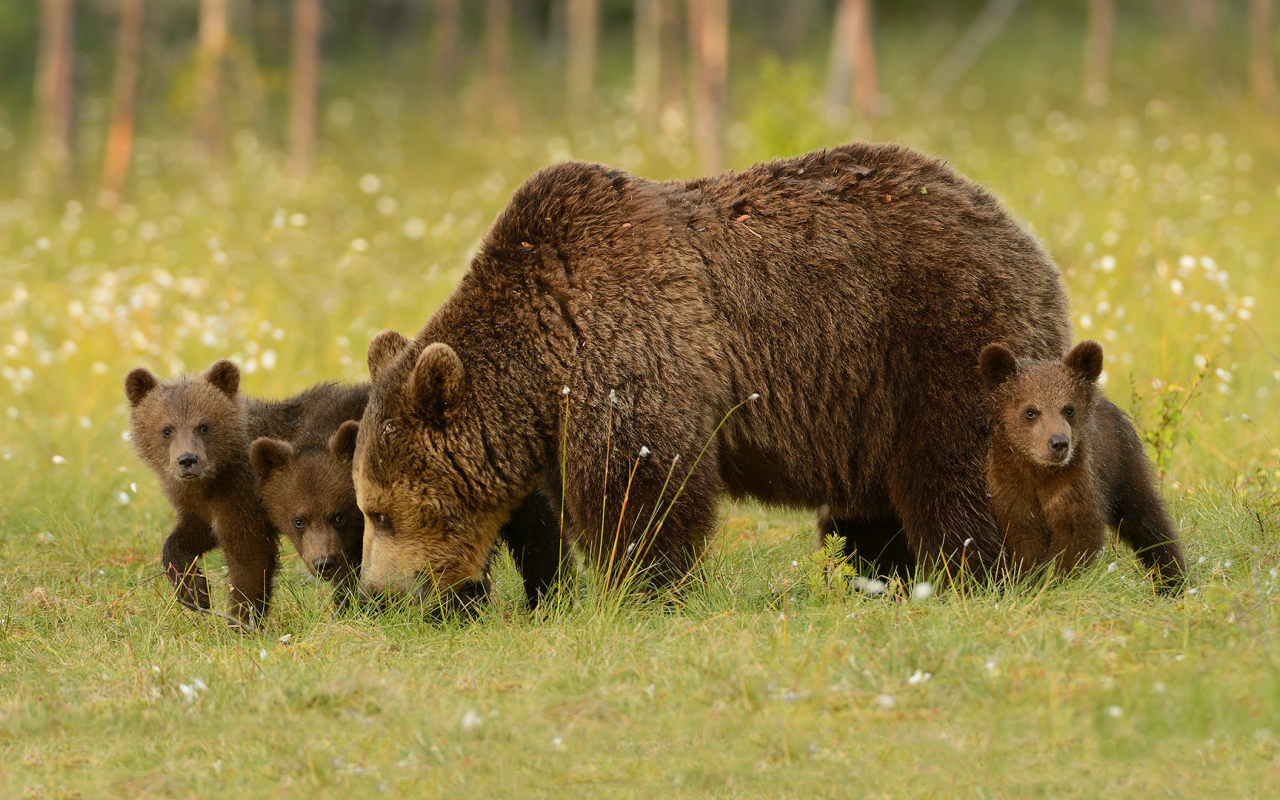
x=305 y=485
x=194 y=433
x=851 y=288
x=1064 y=463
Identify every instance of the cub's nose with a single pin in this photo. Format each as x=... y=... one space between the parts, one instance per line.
x=1059 y=444
x=188 y=460
x=325 y=566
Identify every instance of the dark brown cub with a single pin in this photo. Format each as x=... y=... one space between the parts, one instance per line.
x=305 y=486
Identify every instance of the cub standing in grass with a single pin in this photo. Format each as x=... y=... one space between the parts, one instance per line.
x=1064 y=462
x=194 y=433
x=306 y=488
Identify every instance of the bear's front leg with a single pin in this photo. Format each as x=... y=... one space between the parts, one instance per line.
x=533 y=535
x=190 y=539
x=1077 y=530
x=251 y=552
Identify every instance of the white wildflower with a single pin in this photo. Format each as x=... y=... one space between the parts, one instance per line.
x=868 y=585
x=1115 y=712
x=919 y=676
x=1112 y=567
x=754 y=396
x=885 y=701
x=471 y=720
x=59 y=460
x=644 y=451
x=922 y=591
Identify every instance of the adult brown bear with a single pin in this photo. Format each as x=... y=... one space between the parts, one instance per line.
x=851 y=288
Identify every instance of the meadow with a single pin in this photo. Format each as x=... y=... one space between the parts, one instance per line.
x=760 y=679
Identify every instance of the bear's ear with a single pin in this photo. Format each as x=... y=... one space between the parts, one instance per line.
x=997 y=365
x=224 y=375
x=138 y=383
x=383 y=350
x=437 y=384
x=1085 y=360
x=268 y=455
x=342 y=444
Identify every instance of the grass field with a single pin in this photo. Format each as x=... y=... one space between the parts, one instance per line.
x=1162 y=212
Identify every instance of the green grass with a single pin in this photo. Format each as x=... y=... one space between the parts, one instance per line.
x=1161 y=211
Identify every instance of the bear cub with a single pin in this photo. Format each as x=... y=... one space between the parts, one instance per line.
x=306 y=487
x=194 y=433
x=1065 y=462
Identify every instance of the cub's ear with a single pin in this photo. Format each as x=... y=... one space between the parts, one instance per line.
x=342 y=444
x=1085 y=360
x=138 y=383
x=224 y=375
x=268 y=455
x=383 y=350
x=997 y=365
x=438 y=383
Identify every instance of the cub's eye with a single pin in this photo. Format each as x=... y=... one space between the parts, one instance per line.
x=298 y=523
x=1032 y=413
x=339 y=518
x=1069 y=412
x=380 y=522
x=167 y=432
x=203 y=429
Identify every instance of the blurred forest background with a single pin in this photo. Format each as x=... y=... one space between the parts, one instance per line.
x=81 y=79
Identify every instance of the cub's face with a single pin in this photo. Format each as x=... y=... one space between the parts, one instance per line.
x=431 y=498
x=1040 y=406
x=187 y=429
x=309 y=496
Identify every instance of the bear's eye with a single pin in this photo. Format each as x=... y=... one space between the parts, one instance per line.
x=1069 y=412
x=298 y=523
x=380 y=522
x=1032 y=413
x=167 y=432
x=203 y=429
x=339 y=518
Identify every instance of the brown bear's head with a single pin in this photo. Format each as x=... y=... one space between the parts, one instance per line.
x=428 y=481
x=189 y=428
x=308 y=494
x=1040 y=406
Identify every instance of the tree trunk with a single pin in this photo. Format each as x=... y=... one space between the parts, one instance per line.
x=305 y=84
x=971 y=45
x=584 y=25
x=648 y=56
x=709 y=41
x=497 y=38
x=212 y=45
x=1261 y=60
x=794 y=24
x=862 y=49
x=673 y=58
x=853 y=70
x=1097 y=51
x=1203 y=17
x=446 y=37
x=115 y=165
x=55 y=96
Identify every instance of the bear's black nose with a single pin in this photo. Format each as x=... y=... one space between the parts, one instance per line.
x=188 y=460
x=325 y=566
x=1059 y=444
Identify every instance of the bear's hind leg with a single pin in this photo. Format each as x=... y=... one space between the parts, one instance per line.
x=879 y=543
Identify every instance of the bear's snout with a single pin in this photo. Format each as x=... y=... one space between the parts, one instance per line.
x=1059 y=446
x=188 y=464
x=326 y=566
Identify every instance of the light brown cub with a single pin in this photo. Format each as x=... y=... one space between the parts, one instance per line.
x=1065 y=462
